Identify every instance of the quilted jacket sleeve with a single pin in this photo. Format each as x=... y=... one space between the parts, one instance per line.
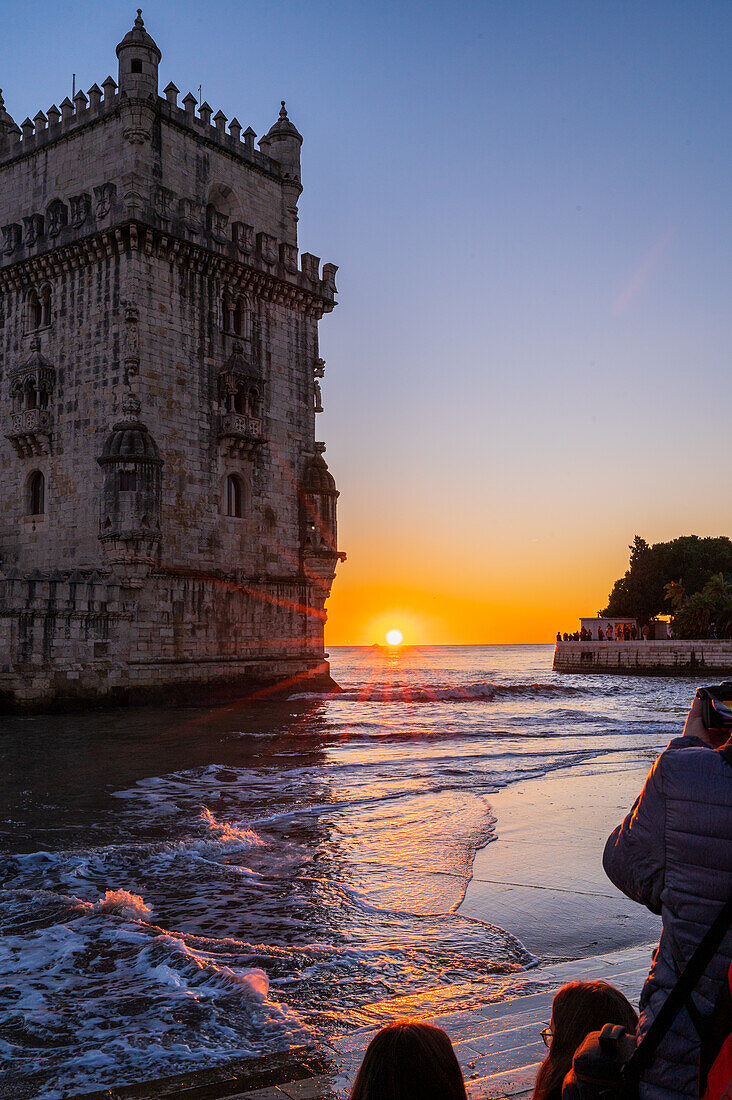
x=634 y=853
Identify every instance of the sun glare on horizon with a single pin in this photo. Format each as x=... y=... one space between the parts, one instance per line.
x=394 y=637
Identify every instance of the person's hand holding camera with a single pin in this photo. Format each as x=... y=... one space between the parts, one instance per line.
x=694 y=727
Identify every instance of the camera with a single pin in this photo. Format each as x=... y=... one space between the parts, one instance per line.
x=716 y=705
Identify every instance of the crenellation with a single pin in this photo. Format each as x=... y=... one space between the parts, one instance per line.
x=67 y=110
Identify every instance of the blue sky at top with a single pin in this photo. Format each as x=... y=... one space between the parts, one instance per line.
x=530 y=206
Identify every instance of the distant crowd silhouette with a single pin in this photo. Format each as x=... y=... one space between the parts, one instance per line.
x=623 y=632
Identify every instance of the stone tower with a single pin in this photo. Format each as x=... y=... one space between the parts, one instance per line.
x=167 y=519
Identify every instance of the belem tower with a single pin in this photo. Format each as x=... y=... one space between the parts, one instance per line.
x=167 y=519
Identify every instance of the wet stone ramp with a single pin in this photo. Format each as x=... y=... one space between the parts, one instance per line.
x=497 y=1043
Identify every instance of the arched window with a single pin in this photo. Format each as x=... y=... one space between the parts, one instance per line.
x=29 y=391
x=234 y=497
x=238 y=317
x=33 y=311
x=235 y=316
x=36 y=494
x=38 y=309
x=45 y=304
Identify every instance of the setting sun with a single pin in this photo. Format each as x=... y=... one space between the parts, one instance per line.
x=394 y=637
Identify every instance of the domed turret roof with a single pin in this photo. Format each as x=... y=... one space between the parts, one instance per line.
x=7 y=122
x=138 y=36
x=283 y=128
x=129 y=440
x=318 y=478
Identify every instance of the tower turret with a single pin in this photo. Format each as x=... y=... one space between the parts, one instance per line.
x=139 y=57
x=129 y=525
x=8 y=125
x=283 y=143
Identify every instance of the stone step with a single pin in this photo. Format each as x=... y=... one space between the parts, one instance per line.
x=497 y=1042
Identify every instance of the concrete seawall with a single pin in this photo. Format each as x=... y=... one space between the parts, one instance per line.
x=645 y=658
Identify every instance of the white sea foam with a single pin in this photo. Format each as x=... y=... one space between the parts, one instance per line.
x=124 y=904
x=302 y=861
x=481 y=691
x=230 y=833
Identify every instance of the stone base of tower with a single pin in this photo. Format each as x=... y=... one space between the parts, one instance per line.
x=70 y=640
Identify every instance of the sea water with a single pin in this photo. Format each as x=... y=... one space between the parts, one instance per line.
x=185 y=887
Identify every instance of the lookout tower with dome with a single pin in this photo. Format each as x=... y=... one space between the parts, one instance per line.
x=167 y=518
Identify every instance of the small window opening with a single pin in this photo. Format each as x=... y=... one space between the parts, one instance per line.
x=233 y=497
x=34 y=311
x=30 y=396
x=136 y=66
x=45 y=303
x=128 y=481
x=36 y=493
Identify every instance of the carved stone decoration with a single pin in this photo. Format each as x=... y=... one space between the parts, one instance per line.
x=105 y=195
x=189 y=216
x=243 y=236
x=318 y=527
x=137 y=121
x=319 y=368
x=57 y=217
x=31 y=395
x=80 y=209
x=267 y=248
x=240 y=426
x=131 y=349
x=131 y=504
x=318 y=397
x=329 y=274
x=310 y=266
x=33 y=229
x=12 y=238
x=133 y=196
x=163 y=201
x=288 y=258
x=217 y=222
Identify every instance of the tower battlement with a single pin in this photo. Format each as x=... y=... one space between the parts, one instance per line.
x=159 y=371
x=95 y=105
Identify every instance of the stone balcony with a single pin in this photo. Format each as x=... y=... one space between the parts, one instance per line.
x=239 y=433
x=30 y=432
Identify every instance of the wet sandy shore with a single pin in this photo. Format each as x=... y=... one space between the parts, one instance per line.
x=542 y=876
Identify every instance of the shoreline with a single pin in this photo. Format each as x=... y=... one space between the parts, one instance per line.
x=541 y=877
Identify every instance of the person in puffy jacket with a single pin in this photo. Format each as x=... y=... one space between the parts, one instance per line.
x=673 y=854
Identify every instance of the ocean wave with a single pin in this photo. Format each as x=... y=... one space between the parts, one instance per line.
x=152 y=1003
x=477 y=692
x=123 y=904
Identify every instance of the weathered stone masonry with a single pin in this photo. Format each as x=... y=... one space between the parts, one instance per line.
x=167 y=520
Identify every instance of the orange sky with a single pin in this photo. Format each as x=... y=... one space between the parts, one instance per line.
x=527 y=600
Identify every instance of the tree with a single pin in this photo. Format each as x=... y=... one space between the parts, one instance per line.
x=696 y=615
x=686 y=563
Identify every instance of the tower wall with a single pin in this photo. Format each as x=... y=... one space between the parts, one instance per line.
x=149 y=263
